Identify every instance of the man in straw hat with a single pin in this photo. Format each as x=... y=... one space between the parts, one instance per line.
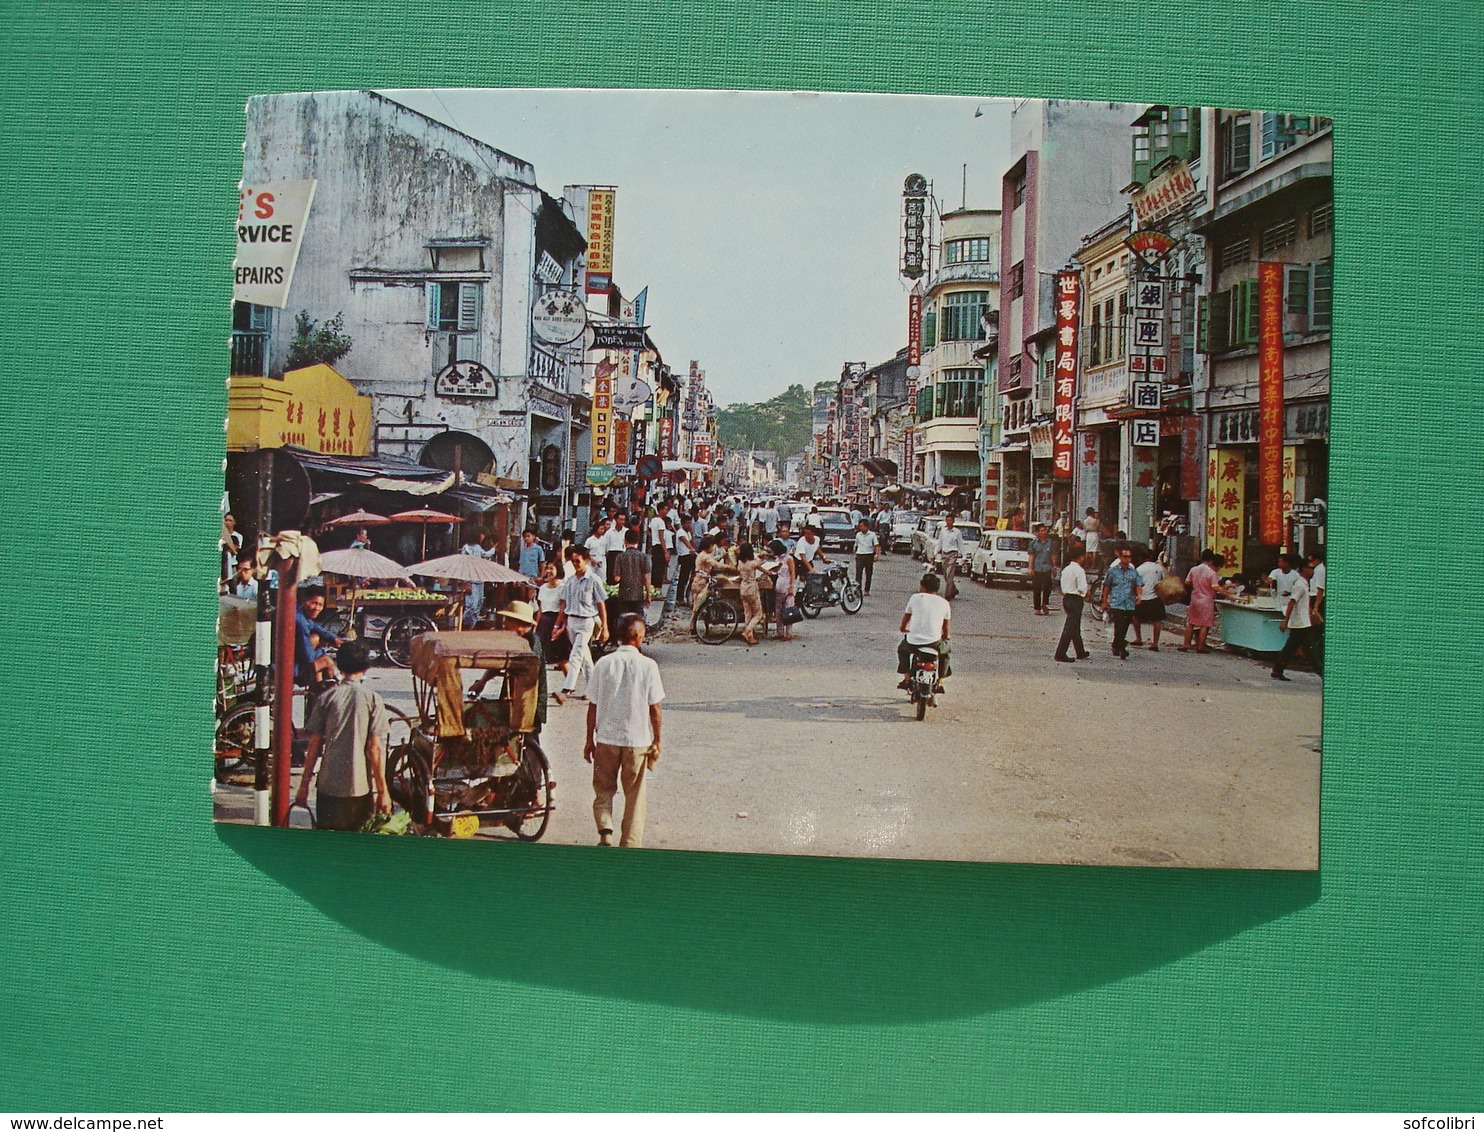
x=520 y=618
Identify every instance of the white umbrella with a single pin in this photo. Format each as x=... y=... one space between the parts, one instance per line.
x=357 y=562
x=467 y=568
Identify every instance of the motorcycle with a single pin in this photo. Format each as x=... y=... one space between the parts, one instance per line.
x=831 y=587
x=922 y=680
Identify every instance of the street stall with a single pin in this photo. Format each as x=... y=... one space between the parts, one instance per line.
x=1252 y=622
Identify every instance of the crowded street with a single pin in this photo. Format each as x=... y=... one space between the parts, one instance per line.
x=1166 y=758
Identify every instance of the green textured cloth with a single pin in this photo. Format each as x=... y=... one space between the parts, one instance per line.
x=155 y=961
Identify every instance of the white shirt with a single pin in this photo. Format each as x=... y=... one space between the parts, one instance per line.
x=548 y=598
x=807 y=550
x=613 y=540
x=866 y=542
x=657 y=532
x=1149 y=573
x=1074 y=579
x=582 y=594
x=929 y=614
x=1090 y=533
x=597 y=547
x=1316 y=583
x=1299 y=595
x=950 y=541
x=1283 y=583
x=625 y=684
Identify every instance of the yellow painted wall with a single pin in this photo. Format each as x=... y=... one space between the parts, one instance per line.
x=314 y=408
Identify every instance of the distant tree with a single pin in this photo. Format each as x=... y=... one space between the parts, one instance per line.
x=782 y=424
x=318 y=343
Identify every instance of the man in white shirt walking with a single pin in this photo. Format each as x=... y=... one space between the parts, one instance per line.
x=623 y=732
x=1073 y=597
x=1298 y=621
x=950 y=547
x=597 y=546
x=867 y=550
x=582 y=611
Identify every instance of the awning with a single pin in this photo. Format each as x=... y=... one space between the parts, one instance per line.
x=365 y=467
x=880 y=466
x=960 y=463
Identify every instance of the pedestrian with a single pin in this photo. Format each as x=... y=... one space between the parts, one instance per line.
x=474 y=603
x=1073 y=598
x=554 y=645
x=1121 y=592
x=1200 y=615
x=1317 y=580
x=1298 y=621
x=312 y=665
x=809 y=549
x=244 y=584
x=531 y=555
x=950 y=548
x=1151 y=609
x=1043 y=565
x=348 y=726
x=785 y=580
x=623 y=732
x=685 y=556
x=659 y=538
x=867 y=551
x=1092 y=534
x=631 y=575
x=1282 y=578
x=228 y=549
x=706 y=562
x=597 y=546
x=583 y=613
x=752 y=602
x=924 y=625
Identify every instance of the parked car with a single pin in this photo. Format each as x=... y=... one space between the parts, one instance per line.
x=900 y=535
x=1003 y=554
x=971 y=533
x=926 y=528
x=836 y=531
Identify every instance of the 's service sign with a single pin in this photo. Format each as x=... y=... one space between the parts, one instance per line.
x=270 y=231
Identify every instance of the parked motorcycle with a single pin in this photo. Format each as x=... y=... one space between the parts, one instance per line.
x=830 y=587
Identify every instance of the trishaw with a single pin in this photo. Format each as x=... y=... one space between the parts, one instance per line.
x=472 y=761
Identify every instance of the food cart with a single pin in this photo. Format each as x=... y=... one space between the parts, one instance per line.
x=1252 y=622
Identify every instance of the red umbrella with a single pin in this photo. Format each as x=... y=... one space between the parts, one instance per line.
x=425 y=516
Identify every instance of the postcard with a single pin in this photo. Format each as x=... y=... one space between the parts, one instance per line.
x=851 y=475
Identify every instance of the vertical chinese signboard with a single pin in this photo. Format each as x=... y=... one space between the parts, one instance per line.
x=1226 y=496
x=667 y=437
x=1270 y=517
x=600 y=241
x=991 y=494
x=914 y=225
x=914 y=330
x=603 y=411
x=1068 y=284
x=914 y=363
x=621 y=441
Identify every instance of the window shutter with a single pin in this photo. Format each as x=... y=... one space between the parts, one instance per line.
x=1203 y=324
x=433 y=295
x=929 y=330
x=1296 y=299
x=469 y=306
x=1251 y=312
x=1321 y=298
x=1220 y=321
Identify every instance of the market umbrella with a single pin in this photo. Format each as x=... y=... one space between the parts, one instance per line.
x=357 y=563
x=425 y=516
x=467 y=568
x=359 y=519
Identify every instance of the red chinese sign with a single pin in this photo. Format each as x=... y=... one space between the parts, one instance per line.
x=603 y=412
x=1068 y=286
x=1190 y=456
x=667 y=438
x=914 y=330
x=1270 y=519
x=621 y=441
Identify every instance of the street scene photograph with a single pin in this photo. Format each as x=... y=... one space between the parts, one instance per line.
x=896 y=476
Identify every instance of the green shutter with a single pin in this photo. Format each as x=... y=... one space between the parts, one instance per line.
x=469 y=296
x=929 y=330
x=1219 y=334
x=1246 y=314
x=1322 y=294
x=1203 y=324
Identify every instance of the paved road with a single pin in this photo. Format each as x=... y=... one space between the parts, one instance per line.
x=1167 y=758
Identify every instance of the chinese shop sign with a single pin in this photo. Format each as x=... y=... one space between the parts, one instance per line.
x=1068 y=285
x=603 y=412
x=599 y=241
x=1226 y=495
x=1271 y=521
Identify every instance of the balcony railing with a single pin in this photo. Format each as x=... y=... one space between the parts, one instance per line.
x=250 y=353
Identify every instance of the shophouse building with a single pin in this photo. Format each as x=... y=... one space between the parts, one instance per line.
x=432 y=247
x=1069 y=165
x=1272 y=202
x=960 y=302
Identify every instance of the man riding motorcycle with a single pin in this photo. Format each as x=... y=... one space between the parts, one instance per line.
x=924 y=625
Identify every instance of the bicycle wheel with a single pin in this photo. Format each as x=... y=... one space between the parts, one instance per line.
x=397 y=643
x=236 y=753
x=407 y=776
x=852 y=597
x=716 y=622
x=531 y=792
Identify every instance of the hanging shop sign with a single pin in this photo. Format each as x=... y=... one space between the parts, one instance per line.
x=1226 y=494
x=1271 y=526
x=1043 y=441
x=1190 y=456
x=990 y=496
x=667 y=437
x=1150 y=246
x=270 y=231
x=914 y=225
x=559 y=317
x=1150 y=294
x=603 y=412
x=465 y=379
x=914 y=329
x=618 y=336
x=1145 y=395
x=1144 y=432
x=1164 y=195
x=649 y=467
x=599 y=241
x=621 y=428
x=1068 y=289
x=551 y=468
x=1308 y=514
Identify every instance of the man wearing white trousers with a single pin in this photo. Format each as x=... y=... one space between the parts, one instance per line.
x=582 y=610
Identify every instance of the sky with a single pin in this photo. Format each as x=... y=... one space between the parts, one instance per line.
x=765 y=225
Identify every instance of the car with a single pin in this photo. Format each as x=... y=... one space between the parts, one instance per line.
x=836 y=531
x=926 y=528
x=1003 y=554
x=900 y=535
x=971 y=533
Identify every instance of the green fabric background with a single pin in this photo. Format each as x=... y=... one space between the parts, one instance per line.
x=154 y=961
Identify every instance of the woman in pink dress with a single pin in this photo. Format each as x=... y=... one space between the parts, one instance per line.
x=1205 y=584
